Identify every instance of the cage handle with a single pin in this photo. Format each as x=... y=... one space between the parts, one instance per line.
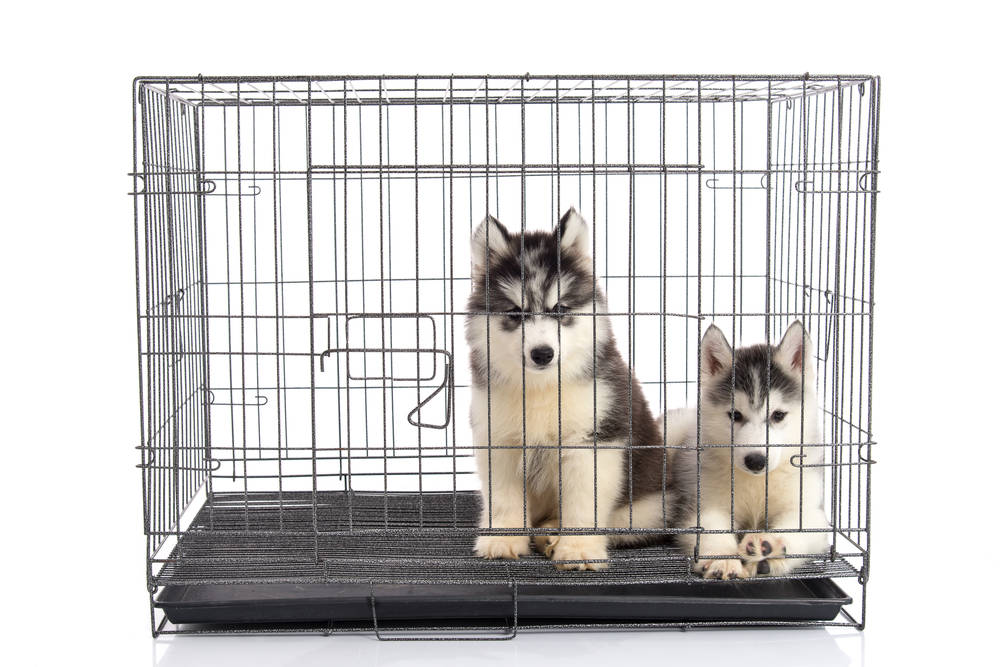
x=507 y=633
x=446 y=385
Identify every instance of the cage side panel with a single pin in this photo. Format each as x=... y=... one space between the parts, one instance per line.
x=259 y=284
x=821 y=273
x=172 y=303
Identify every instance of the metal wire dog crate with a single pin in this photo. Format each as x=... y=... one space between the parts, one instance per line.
x=302 y=266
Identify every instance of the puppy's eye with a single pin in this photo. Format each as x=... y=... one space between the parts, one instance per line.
x=736 y=416
x=778 y=415
x=514 y=314
x=560 y=308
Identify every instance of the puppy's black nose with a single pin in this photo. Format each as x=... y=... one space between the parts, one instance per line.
x=755 y=462
x=542 y=354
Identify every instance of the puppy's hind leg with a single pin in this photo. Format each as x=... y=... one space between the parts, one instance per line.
x=544 y=544
x=649 y=512
x=544 y=516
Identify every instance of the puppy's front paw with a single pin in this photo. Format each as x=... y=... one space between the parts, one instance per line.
x=510 y=547
x=764 y=554
x=723 y=568
x=590 y=548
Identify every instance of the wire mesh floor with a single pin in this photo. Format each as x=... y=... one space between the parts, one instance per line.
x=385 y=538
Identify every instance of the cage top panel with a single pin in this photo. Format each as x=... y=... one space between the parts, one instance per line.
x=489 y=89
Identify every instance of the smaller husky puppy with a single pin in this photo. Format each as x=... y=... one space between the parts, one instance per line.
x=554 y=407
x=747 y=484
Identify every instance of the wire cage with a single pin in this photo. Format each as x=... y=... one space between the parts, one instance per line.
x=302 y=274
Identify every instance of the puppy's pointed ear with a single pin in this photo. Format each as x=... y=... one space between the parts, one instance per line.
x=490 y=242
x=574 y=235
x=716 y=355
x=795 y=349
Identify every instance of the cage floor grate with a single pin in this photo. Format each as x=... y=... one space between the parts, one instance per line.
x=261 y=538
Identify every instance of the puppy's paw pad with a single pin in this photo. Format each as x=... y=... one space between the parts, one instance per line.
x=509 y=547
x=723 y=568
x=774 y=567
x=573 y=551
x=758 y=546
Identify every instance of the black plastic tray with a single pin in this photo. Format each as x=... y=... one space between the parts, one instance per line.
x=781 y=600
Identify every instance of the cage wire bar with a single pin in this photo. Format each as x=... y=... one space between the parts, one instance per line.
x=302 y=265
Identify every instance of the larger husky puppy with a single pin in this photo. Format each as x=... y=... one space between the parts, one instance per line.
x=755 y=410
x=531 y=323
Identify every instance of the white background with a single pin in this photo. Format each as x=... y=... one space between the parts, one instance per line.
x=72 y=553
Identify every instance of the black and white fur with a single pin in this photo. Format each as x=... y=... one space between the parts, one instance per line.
x=777 y=407
x=532 y=285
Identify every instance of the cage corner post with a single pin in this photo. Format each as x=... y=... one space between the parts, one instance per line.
x=312 y=314
x=145 y=455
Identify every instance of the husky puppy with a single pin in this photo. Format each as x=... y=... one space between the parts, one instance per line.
x=546 y=372
x=747 y=484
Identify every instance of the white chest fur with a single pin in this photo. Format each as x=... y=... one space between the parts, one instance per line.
x=753 y=498
x=540 y=415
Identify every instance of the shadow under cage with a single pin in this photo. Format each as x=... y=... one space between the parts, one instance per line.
x=302 y=273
